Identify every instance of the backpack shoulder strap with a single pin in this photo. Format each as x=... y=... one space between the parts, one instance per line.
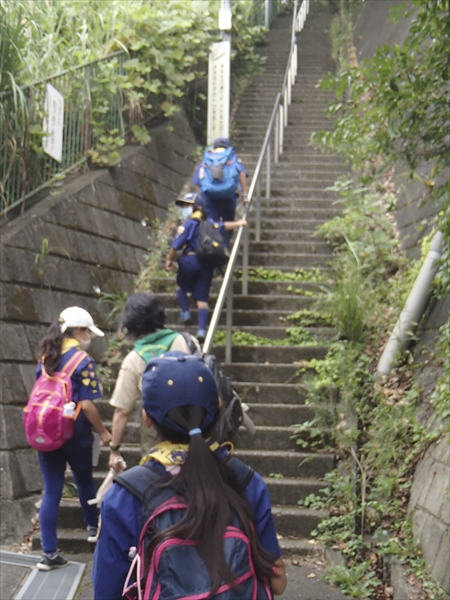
x=242 y=471
x=73 y=362
x=137 y=480
x=188 y=338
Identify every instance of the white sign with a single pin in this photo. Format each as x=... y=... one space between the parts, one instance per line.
x=53 y=123
x=219 y=91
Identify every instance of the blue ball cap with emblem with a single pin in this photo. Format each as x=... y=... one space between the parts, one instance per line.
x=176 y=379
x=222 y=142
x=190 y=198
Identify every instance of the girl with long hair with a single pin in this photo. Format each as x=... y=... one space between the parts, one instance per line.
x=71 y=333
x=181 y=402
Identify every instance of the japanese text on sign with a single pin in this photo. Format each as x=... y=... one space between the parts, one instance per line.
x=53 y=123
x=218 y=90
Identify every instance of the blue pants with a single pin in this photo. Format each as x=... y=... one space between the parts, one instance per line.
x=194 y=278
x=53 y=466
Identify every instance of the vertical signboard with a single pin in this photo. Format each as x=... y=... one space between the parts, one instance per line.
x=53 y=123
x=219 y=90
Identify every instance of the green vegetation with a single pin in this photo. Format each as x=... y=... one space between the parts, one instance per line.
x=392 y=109
x=141 y=61
x=313 y=275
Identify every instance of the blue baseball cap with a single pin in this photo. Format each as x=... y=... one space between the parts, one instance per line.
x=222 y=142
x=176 y=379
x=190 y=198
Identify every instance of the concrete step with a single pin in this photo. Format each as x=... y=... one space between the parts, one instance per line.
x=272 y=354
x=267 y=372
x=283 y=236
x=299 y=246
x=270 y=393
x=279 y=415
x=295 y=521
x=288 y=260
x=291 y=224
x=240 y=317
x=288 y=464
x=252 y=301
x=266 y=438
x=165 y=285
x=298 y=213
x=70 y=541
x=294 y=548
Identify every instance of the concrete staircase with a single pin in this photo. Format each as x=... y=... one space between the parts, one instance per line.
x=267 y=376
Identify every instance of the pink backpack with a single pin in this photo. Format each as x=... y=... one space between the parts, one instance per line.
x=49 y=416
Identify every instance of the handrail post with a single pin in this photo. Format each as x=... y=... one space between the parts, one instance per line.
x=281 y=131
x=268 y=171
x=295 y=66
x=258 y=210
x=229 y=320
x=277 y=135
x=245 y=263
x=290 y=83
x=285 y=108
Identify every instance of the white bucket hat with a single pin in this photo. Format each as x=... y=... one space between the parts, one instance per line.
x=74 y=316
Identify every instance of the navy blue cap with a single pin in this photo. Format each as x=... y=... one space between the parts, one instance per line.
x=190 y=198
x=176 y=379
x=222 y=142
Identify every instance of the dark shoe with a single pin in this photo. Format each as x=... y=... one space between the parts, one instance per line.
x=185 y=317
x=47 y=564
x=92 y=535
x=201 y=335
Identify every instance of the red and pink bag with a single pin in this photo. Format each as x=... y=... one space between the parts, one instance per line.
x=49 y=416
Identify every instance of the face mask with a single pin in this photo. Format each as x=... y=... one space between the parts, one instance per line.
x=84 y=344
x=186 y=212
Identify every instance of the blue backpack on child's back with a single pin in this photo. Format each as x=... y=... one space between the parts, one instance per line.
x=219 y=173
x=175 y=569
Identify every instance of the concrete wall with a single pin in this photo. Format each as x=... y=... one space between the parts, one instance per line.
x=98 y=226
x=430 y=495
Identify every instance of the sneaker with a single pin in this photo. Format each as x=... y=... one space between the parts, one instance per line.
x=185 y=317
x=92 y=535
x=48 y=563
x=201 y=335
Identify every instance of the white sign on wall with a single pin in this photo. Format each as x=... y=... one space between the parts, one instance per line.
x=53 y=123
x=219 y=90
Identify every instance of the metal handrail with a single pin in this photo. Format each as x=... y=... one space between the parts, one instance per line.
x=278 y=120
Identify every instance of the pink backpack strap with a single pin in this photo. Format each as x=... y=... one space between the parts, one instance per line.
x=73 y=362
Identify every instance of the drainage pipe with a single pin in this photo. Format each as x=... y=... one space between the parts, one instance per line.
x=412 y=311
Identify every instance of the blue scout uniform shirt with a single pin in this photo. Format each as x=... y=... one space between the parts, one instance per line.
x=121 y=515
x=187 y=234
x=85 y=386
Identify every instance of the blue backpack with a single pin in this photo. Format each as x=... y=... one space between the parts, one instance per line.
x=220 y=174
x=175 y=568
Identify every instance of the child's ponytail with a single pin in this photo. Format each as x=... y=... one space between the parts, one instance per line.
x=49 y=351
x=212 y=492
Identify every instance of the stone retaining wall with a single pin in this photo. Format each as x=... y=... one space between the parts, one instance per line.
x=97 y=226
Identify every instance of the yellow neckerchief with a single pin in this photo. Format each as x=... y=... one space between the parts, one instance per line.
x=197 y=215
x=167 y=453
x=69 y=343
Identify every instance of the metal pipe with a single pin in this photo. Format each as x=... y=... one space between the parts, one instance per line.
x=258 y=210
x=277 y=136
x=268 y=173
x=281 y=131
x=285 y=108
x=229 y=321
x=245 y=263
x=412 y=311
